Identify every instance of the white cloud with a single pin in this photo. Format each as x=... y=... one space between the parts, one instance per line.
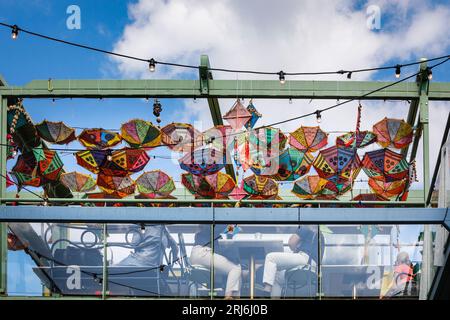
x=286 y=35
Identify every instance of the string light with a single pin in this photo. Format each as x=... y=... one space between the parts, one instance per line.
x=318 y=116
x=290 y=100
x=14 y=32
x=397 y=71
x=152 y=65
x=282 y=77
x=349 y=75
x=429 y=73
x=142 y=227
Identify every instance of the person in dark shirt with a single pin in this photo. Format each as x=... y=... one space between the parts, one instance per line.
x=305 y=250
x=225 y=262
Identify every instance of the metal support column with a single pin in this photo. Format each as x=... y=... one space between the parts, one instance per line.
x=423 y=118
x=214 y=107
x=3 y=226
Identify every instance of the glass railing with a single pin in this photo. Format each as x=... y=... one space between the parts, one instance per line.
x=247 y=261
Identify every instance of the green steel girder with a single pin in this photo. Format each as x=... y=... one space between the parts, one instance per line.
x=214 y=107
x=270 y=89
x=3 y=226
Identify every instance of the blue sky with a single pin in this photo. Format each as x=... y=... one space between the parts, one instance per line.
x=234 y=34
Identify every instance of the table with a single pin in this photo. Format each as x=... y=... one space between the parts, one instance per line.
x=251 y=247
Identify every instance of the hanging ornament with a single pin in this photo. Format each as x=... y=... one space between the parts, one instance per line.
x=157 y=108
x=255 y=115
x=237 y=116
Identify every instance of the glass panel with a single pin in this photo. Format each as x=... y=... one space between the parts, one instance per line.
x=158 y=260
x=174 y=260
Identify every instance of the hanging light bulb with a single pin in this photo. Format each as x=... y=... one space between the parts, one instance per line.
x=349 y=75
x=290 y=100
x=397 y=71
x=282 y=77
x=142 y=227
x=318 y=116
x=429 y=73
x=152 y=65
x=14 y=32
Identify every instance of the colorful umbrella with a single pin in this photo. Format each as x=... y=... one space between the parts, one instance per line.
x=49 y=163
x=260 y=186
x=124 y=162
x=203 y=161
x=385 y=165
x=211 y=187
x=238 y=192
x=78 y=182
x=337 y=164
x=292 y=164
x=140 y=133
x=393 y=132
x=269 y=139
x=333 y=189
x=98 y=138
x=155 y=184
x=117 y=186
x=26 y=172
x=309 y=139
x=155 y=204
x=358 y=139
x=255 y=115
x=237 y=116
x=92 y=160
x=55 y=132
x=181 y=137
x=219 y=137
x=387 y=189
x=309 y=187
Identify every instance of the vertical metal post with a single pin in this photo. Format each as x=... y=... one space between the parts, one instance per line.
x=3 y=226
x=211 y=272
x=423 y=118
x=105 y=263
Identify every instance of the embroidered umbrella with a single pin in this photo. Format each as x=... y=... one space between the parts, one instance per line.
x=359 y=139
x=117 y=186
x=92 y=160
x=337 y=164
x=387 y=189
x=260 y=186
x=203 y=161
x=181 y=137
x=210 y=187
x=49 y=163
x=98 y=138
x=393 y=132
x=78 y=182
x=255 y=115
x=238 y=192
x=26 y=172
x=155 y=204
x=124 y=162
x=309 y=139
x=292 y=164
x=385 y=165
x=55 y=132
x=237 y=116
x=333 y=189
x=269 y=139
x=219 y=137
x=309 y=187
x=155 y=184
x=140 y=133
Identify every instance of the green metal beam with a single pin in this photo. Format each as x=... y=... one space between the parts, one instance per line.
x=3 y=226
x=270 y=89
x=214 y=107
x=423 y=118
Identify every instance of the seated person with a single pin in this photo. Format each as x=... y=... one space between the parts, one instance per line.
x=304 y=246
x=403 y=281
x=150 y=247
x=225 y=262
